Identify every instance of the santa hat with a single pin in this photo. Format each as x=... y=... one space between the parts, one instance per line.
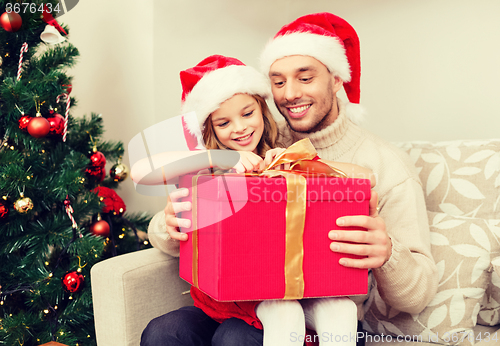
x=213 y=81
x=327 y=38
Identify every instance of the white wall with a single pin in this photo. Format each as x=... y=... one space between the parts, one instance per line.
x=430 y=68
x=115 y=75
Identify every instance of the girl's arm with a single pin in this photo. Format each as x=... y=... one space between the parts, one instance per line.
x=148 y=171
x=158 y=169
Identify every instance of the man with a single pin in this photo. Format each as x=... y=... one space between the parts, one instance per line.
x=308 y=62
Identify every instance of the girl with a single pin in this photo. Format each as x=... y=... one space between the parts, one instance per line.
x=229 y=101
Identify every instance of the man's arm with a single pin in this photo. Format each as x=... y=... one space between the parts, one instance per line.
x=397 y=247
x=354 y=171
x=163 y=230
x=173 y=223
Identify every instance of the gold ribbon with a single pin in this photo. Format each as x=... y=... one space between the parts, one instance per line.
x=300 y=156
x=294 y=249
x=194 y=234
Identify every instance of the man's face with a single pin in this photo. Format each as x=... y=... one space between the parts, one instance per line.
x=304 y=92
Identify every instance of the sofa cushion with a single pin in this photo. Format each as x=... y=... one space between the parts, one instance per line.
x=462 y=248
x=460 y=177
x=463 y=178
x=490 y=309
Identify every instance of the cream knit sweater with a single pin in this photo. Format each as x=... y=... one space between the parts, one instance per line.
x=408 y=281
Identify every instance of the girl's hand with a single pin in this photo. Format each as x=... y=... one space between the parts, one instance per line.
x=249 y=162
x=271 y=154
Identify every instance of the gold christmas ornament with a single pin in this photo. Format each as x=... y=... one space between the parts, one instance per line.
x=119 y=172
x=23 y=205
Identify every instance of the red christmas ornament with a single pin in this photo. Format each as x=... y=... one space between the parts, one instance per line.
x=97 y=159
x=93 y=172
x=4 y=210
x=98 y=173
x=100 y=228
x=38 y=127
x=103 y=174
x=73 y=281
x=112 y=202
x=68 y=87
x=11 y=22
x=24 y=121
x=96 y=168
x=56 y=123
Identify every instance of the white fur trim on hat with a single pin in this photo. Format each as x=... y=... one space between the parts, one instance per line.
x=194 y=128
x=326 y=49
x=220 y=85
x=355 y=112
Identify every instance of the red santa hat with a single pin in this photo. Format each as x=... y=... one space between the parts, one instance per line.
x=213 y=81
x=325 y=37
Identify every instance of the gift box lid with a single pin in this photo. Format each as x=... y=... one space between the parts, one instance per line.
x=232 y=187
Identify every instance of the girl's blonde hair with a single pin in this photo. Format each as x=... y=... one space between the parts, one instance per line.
x=267 y=141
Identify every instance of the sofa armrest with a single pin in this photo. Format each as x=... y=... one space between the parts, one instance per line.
x=130 y=290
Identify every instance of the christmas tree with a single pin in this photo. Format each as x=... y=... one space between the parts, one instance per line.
x=59 y=212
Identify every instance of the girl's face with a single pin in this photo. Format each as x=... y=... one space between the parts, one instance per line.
x=238 y=123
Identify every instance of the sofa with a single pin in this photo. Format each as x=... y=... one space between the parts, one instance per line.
x=461 y=183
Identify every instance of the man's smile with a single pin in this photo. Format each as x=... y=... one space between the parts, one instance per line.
x=298 y=111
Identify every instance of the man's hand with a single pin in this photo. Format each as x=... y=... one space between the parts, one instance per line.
x=173 y=206
x=374 y=243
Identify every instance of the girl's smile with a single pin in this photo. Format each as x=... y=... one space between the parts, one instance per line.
x=244 y=140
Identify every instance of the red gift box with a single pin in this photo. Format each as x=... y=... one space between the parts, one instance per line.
x=246 y=247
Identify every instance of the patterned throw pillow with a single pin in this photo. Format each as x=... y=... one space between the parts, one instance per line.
x=462 y=248
x=459 y=178
x=463 y=178
x=490 y=308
